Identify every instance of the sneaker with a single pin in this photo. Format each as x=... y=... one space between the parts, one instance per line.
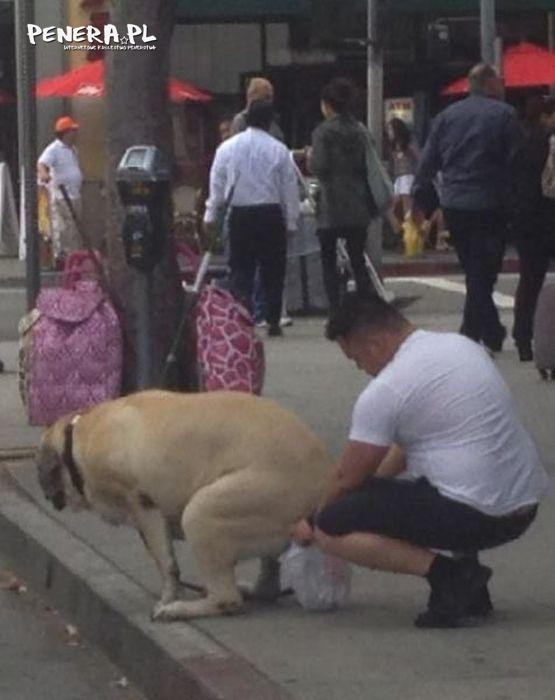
x=454 y=587
x=275 y=332
x=285 y=321
x=261 y=324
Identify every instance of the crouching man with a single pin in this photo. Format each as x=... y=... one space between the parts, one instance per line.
x=474 y=476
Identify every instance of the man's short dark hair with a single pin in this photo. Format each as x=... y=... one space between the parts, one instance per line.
x=340 y=94
x=260 y=114
x=356 y=312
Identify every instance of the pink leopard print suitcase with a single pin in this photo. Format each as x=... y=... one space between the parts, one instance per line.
x=230 y=355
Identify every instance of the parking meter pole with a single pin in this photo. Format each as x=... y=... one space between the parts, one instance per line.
x=143 y=178
x=143 y=296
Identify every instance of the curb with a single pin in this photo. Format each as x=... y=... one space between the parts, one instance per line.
x=165 y=661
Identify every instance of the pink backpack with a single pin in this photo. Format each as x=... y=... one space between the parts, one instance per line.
x=70 y=347
x=230 y=355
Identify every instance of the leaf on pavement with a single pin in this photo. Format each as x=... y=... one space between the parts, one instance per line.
x=10 y=582
x=73 y=638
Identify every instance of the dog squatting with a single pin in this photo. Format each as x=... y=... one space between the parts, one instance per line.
x=235 y=471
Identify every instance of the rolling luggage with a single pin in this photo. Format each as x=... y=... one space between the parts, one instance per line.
x=70 y=346
x=230 y=356
x=544 y=332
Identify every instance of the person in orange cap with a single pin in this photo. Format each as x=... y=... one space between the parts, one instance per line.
x=59 y=170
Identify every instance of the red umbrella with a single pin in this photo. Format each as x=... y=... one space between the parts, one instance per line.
x=524 y=65
x=6 y=98
x=88 y=81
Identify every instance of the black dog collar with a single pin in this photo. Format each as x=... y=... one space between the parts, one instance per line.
x=67 y=457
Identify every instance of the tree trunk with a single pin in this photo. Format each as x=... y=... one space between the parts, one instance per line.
x=138 y=113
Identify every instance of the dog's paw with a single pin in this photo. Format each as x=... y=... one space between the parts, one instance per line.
x=161 y=612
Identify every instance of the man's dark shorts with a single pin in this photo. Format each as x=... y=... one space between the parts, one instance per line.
x=416 y=512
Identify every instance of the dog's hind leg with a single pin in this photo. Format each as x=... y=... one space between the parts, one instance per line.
x=154 y=530
x=224 y=522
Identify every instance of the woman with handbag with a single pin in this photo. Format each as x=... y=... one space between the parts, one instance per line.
x=345 y=206
x=533 y=217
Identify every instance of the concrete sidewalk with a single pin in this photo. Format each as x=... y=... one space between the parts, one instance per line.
x=104 y=579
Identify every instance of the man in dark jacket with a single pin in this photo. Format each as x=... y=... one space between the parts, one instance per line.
x=471 y=144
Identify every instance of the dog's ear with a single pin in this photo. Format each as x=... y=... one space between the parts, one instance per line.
x=49 y=467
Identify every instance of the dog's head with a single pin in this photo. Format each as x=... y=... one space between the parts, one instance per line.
x=54 y=478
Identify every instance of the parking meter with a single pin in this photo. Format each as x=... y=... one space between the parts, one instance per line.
x=143 y=179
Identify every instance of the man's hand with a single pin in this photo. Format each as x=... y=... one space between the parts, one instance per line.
x=209 y=228
x=302 y=533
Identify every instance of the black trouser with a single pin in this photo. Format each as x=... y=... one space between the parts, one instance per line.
x=479 y=239
x=355 y=240
x=257 y=237
x=533 y=253
x=415 y=511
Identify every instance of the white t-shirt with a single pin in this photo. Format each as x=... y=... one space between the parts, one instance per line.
x=65 y=170
x=444 y=401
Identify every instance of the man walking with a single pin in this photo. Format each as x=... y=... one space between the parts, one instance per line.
x=475 y=478
x=58 y=167
x=258 y=89
x=253 y=176
x=471 y=143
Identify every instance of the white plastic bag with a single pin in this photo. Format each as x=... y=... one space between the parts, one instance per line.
x=320 y=581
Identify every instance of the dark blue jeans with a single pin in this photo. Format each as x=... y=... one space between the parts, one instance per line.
x=479 y=239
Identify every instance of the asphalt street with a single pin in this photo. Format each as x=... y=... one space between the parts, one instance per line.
x=370 y=648
x=43 y=656
x=423 y=295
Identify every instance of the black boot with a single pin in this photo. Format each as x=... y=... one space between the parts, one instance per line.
x=480 y=608
x=454 y=585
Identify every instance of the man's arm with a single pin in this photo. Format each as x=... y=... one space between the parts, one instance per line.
x=43 y=173
x=430 y=160
x=318 y=159
x=359 y=461
x=218 y=184
x=393 y=464
x=290 y=193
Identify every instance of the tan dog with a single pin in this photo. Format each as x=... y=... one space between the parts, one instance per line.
x=235 y=470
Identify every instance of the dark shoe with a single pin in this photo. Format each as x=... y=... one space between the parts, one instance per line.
x=275 y=331
x=1 y=366
x=481 y=605
x=496 y=344
x=454 y=585
x=525 y=353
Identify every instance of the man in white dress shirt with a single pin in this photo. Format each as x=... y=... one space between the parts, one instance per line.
x=59 y=166
x=254 y=177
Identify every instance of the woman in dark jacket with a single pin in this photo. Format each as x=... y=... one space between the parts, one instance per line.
x=533 y=218
x=338 y=159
